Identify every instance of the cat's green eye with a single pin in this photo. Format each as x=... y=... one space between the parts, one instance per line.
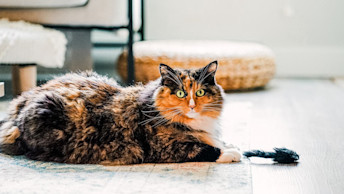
x=180 y=94
x=200 y=92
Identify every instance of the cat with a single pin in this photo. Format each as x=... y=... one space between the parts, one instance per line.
x=85 y=118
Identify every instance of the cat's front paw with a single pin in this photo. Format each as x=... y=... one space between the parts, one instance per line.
x=229 y=155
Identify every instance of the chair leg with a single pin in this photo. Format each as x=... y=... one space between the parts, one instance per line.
x=24 y=77
x=142 y=28
x=131 y=63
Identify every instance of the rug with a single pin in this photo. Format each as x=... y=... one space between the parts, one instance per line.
x=21 y=175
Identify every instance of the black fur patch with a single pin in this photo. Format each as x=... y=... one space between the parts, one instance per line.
x=44 y=129
x=207 y=154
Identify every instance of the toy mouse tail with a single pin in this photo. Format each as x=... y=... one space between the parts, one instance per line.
x=281 y=155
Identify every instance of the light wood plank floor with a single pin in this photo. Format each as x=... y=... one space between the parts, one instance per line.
x=304 y=115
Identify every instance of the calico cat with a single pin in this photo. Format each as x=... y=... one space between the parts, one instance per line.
x=88 y=118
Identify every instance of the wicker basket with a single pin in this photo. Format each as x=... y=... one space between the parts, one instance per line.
x=241 y=65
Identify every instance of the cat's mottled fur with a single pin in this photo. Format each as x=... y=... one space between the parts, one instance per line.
x=87 y=118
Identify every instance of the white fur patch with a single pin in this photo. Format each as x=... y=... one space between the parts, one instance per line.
x=209 y=125
x=192 y=114
x=229 y=155
x=192 y=101
x=205 y=123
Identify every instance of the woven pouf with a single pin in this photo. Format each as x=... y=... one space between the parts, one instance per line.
x=241 y=65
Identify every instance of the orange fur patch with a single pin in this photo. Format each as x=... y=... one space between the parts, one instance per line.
x=205 y=138
x=11 y=135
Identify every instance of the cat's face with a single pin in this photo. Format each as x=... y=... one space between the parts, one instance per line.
x=186 y=95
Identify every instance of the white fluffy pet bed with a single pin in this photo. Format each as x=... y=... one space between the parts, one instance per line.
x=25 y=43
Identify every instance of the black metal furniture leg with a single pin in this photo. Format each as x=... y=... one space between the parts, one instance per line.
x=142 y=29
x=131 y=63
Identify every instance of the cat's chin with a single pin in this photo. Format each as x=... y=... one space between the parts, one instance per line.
x=192 y=115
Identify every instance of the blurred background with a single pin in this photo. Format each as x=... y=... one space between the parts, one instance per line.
x=301 y=108
x=306 y=36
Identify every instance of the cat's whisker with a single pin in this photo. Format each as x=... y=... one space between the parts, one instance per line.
x=180 y=81
x=161 y=121
x=178 y=114
x=159 y=117
x=169 y=118
x=220 y=106
x=213 y=105
x=204 y=71
x=151 y=114
x=202 y=74
x=176 y=82
x=153 y=106
x=147 y=115
x=216 y=106
x=215 y=102
x=173 y=112
x=175 y=77
x=150 y=105
x=211 y=109
x=149 y=111
x=149 y=120
x=207 y=75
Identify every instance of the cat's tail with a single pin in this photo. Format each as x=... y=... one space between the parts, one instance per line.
x=9 y=139
x=281 y=155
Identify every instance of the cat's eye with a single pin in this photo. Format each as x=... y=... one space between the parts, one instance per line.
x=180 y=94
x=200 y=92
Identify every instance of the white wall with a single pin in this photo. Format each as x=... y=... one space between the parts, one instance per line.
x=307 y=36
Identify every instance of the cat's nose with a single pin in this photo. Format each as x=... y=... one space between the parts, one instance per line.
x=192 y=106
x=192 y=103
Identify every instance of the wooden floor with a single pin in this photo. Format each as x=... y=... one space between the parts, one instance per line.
x=307 y=116
x=304 y=115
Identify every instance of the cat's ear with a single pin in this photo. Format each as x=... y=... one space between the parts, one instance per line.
x=207 y=73
x=168 y=75
x=211 y=68
x=165 y=70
